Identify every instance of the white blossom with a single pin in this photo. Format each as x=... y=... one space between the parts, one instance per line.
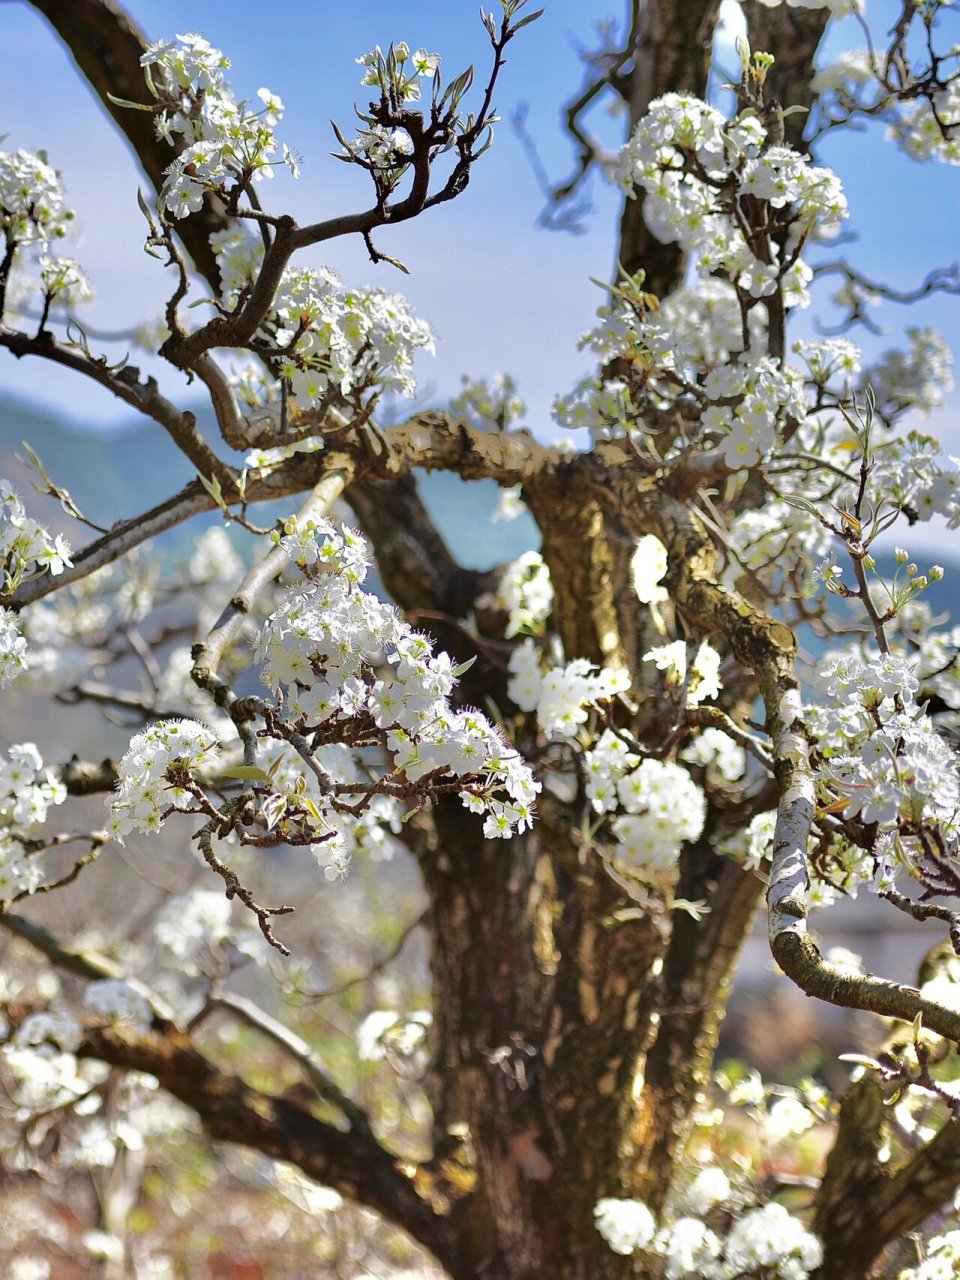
x=117 y=1001
x=626 y=1225
x=648 y=565
x=526 y=593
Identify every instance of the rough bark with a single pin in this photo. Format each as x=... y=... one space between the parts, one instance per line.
x=692 y=996
x=537 y=983
x=578 y=556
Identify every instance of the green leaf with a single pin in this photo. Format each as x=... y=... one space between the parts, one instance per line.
x=339 y=135
x=148 y=76
x=394 y=262
x=312 y=809
x=146 y=210
x=214 y=489
x=463 y=667
x=457 y=88
x=861 y=1060
x=525 y=22
x=133 y=106
x=696 y=910
x=250 y=772
x=272 y=810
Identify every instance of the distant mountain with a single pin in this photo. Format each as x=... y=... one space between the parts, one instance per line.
x=110 y=475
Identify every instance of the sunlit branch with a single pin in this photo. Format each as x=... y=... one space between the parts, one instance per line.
x=309 y=1061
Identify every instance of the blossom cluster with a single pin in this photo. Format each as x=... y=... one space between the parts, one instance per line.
x=488 y=404
x=346 y=663
x=690 y=160
x=340 y=341
x=27 y=789
x=526 y=593
x=697 y=680
x=24 y=543
x=929 y=128
x=909 y=472
x=13 y=648
x=27 y=792
x=397 y=75
x=708 y=322
x=42 y=1073
x=214 y=558
x=329 y=341
x=400 y=72
x=696 y=169
x=749 y=400
x=648 y=565
x=933 y=650
x=114 y=1000
x=656 y=804
x=65 y=631
x=645 y=360
x=153 y=772
x=766 y=1240
x=885 y=764
x=64 y=281
x=563 y=695
x=228 y=143
x=32 y=206
x=657 y=807
x=942 y=1261
x=716 y=751
x=752 y=846
x=49 y=1032
x=343 y=833
x=198 y=932
x=918 y=378
x=386 y=1033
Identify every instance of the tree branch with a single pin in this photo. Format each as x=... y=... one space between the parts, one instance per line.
x=208 y=655
x=85 y=964
x=312 y=1065
x=768 y=648
x=231 y=1111
x=125 y=384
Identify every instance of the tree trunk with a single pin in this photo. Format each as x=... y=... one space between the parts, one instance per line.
x=537 y=990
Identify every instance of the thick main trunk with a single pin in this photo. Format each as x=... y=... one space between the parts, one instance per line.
x=536 y=993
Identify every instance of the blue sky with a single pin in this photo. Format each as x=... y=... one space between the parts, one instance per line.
x=502 y=292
